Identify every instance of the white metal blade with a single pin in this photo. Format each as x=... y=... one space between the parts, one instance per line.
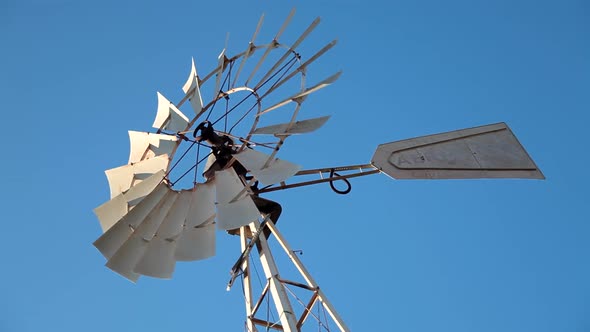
x=220 y=67
x=113 y=210
x=490 y=151
x=302 y=67
x=248 y=50
x=127 y=256
x=189 y=84
x=235 y=208
x=115 y=236
x=209 y=162
x=132 y=250
x=196 y=243
x=324 y=83
x=304 y=35
x=176 y=218
x=285 y=24
x=158 y=260
x=145 y=145
x=268 y=49
x=304 y=93
x=168 y=117
x=197 y=240
x=122 y=178
x=299 y=127
x=276 y=171
x=202 y=206
x=192 y=86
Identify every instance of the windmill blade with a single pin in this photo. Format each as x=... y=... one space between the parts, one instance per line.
x=197 y=240
x=113 y=210
x=202 y=206
x=127 y=256
x=209 y=162
x=168 y=117
x=115 y=236
x=196 y=243
x=303 y=67
x=249 y=50
x=292 y=128
x=235 y=207
x=265 y=168
x=192 y=86
x=304 y=35
x=268 y=49
x=122 y=178
x=304 y=93
x=158 y=260
x=176 y=218
x=490 y=151
x=134 y=248
x=145 y=145
x=220 y=68
x=285 y=24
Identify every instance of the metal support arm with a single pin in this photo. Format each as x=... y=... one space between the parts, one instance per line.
x=360 y=170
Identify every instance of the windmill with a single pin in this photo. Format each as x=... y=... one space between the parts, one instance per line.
x=196 y=174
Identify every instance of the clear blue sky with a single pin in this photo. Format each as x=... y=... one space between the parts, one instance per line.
x=482 y=255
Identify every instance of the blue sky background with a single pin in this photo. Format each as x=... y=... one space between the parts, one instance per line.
x=478 y=255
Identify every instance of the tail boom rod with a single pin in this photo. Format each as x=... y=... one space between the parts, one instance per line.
x=358 y=170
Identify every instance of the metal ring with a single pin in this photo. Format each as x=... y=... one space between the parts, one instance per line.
x=341 y=192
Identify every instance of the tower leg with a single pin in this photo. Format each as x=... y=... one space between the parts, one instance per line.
x=277 y=289
x=276 y=285
x=308 y=278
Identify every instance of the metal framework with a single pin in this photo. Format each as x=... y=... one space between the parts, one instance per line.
x=352 y=170
x=148 y=226
x=276 y=285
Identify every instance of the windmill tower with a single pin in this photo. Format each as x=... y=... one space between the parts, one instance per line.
x=196 y=174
